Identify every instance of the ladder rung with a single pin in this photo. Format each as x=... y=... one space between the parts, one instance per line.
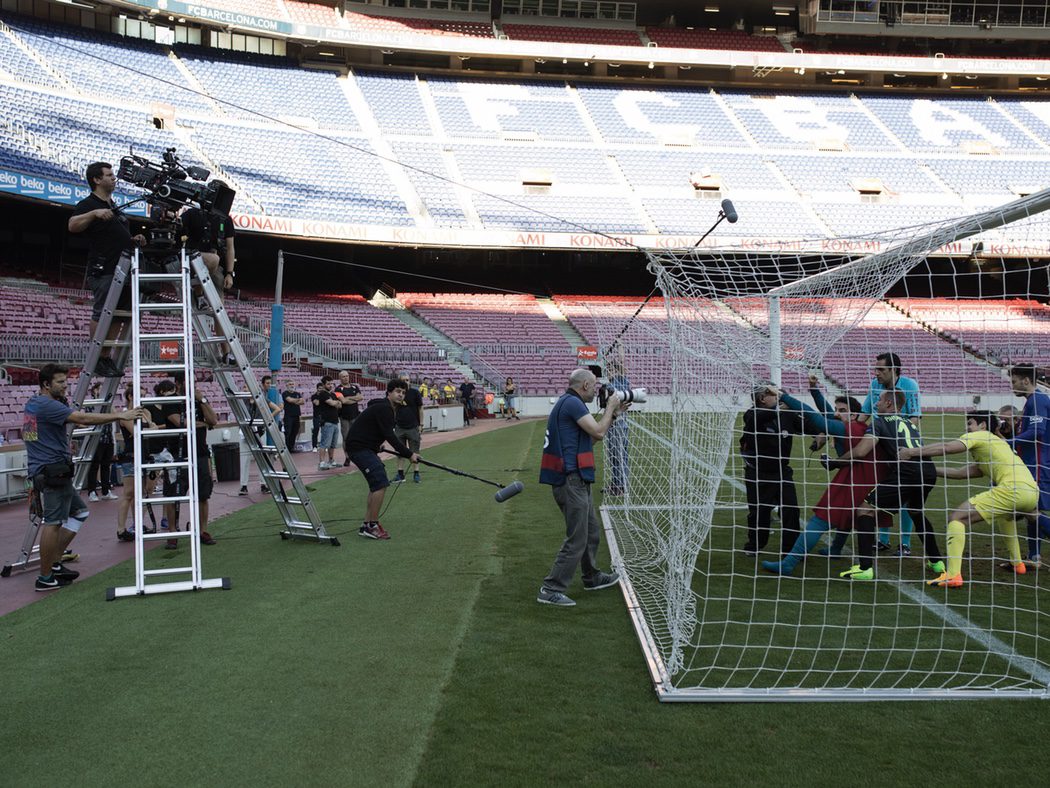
x=152 y=306
x=293 y=501
x=92 y=403
x=216 y=340
x=121 y=313
x=151 y=466
x=160 y=432
x=155 y=400
x=277 y=474
x=163 y=499
x=161 y=337
x=81 y=431
x=162 y=367
x=300 y=525
x=160 y=277
x=176 y=570
x=116 y=343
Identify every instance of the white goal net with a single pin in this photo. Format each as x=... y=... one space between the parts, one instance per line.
x=960 y=304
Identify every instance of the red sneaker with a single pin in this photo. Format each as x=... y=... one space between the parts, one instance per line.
x=381 y=532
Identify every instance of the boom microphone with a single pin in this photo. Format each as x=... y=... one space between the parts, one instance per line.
x=729 y=211
x=509 y=491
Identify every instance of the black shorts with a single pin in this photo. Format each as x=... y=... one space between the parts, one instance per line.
x=177 y=486
x=205 y=484
x=908 y=489
x=99 y=286
x=372 y=467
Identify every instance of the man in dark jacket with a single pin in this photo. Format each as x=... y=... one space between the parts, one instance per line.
x=363 y=442
x=765 y=447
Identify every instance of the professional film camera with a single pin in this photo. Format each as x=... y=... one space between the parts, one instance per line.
x=169 y=187
x=626 y=395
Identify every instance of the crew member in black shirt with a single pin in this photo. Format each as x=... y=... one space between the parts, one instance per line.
x=350 y=397
x=210 y=234
x=466 y=396
x=408 y=425
x=364 y=441
x=765 y=446
x=293 y=403
x=108 y=236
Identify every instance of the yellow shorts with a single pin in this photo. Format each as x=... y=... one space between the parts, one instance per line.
x=1005 y=502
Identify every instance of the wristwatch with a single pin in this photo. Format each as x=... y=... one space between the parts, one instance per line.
x=204 y=400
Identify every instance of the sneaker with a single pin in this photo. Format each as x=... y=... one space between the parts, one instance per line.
x=230 y=360
x=323 y=466
x=944 y=581
x=415 y=477
x=164 y=523
x=171 y=544
x=750 y=551
x=110 y=496
x=856 y=573
x=93 y=497
x=263 y=488
x=883 y=547
x=600 y=580
x=346 y=463
x=936 y=566
x=1017 y=569
x=243 y=490
x=146 y=529
x=51 y=583
x=59 y=571
x=400 y=477
x=775 y=567
x=373 y=531
x=105 y=368
x=69 y=557
x=548 y=597
x=125 y=536
x=206 y=538
x=902 y=551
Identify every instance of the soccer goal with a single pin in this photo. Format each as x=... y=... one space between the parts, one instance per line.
x=959 y=302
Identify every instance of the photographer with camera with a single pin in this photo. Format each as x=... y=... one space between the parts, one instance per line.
x=568 y=466
x=108 y=236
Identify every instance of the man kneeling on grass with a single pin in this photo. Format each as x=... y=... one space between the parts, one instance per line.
x=363 y=442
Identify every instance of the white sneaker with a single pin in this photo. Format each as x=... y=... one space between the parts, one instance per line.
x=110 y=496
x=323 y=466
x=93 y=497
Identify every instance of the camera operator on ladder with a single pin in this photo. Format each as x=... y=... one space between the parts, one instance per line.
x=108 y=236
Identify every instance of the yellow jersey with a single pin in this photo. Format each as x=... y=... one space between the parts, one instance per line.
x=997 y=460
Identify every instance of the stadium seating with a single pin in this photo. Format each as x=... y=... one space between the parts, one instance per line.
x=408 y=26
x=312 y=14
x=1011 y=331
x=712 y=39
x=573 y=35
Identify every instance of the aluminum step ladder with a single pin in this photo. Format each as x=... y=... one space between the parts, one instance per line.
x=84 y=440
x=251 y=411
x=174 y=357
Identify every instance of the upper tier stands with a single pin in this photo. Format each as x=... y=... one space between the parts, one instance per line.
x=712 y=39
x=258 y=87
x=312 y=13
x=573 y=35
x=620 y=157
x=406 y=26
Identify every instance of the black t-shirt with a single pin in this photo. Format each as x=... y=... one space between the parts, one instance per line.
x=106 y=240
x=766 y=440
x=466 y=390
x=349 y=409
x=326 y=403
x=408 y=414
x=291 y=410
x=206 y=231
x=160 y=415
x=372 y=427
x=202 y=431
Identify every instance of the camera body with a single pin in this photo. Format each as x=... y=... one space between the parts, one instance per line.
x=171 y=185
x=626 y=395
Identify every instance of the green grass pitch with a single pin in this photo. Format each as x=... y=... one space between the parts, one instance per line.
x=422 y=661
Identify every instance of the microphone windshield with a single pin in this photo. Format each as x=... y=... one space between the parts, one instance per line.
x=509 y=491
x=729 y=211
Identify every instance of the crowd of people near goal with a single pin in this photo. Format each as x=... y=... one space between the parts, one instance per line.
x=881 y=468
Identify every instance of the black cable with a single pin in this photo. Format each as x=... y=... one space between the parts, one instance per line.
x=406 y=273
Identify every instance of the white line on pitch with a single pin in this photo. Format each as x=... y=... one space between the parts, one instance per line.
x=996 y=646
